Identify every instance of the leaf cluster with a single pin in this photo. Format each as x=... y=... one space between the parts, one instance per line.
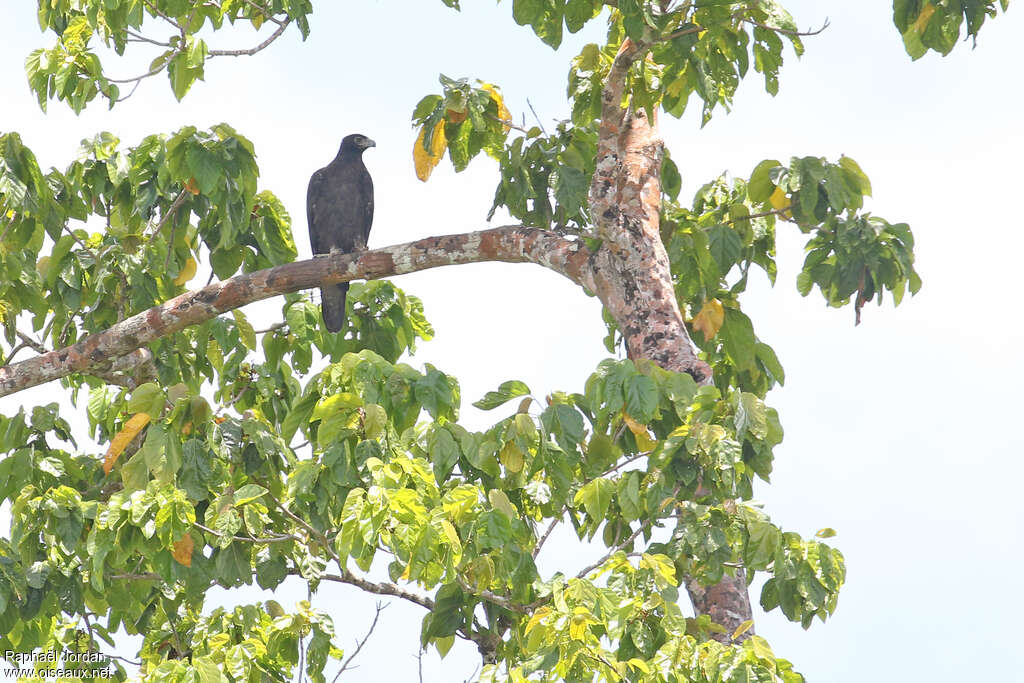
x=72 y=71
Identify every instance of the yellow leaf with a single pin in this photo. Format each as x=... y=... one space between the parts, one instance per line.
x=511 y=457
x=643 y=438
x=537 y=617
x=503 y=112
x=426 y=159
x=742 y=628
x=710 y=319
x=779 y=200
x=921 y=23
x=124 y=437
x=182 y=552
x=451 y=534
x=188 y=271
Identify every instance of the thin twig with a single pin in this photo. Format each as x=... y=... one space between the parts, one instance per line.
x=178 y=201
x=360 y=643
x=543 y=538
x=29 y=341
x=15 y=350
x=156 y=11
x=139 y=38
x=272 y=328
x=629 y=541
x=539 y=123
x=253 y=50
x=284 y=538
x=790 y=32
x=266 y=12
x=506 y=122
x=773 y=212
x=136 y=79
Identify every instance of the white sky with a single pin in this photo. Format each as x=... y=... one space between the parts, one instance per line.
x=897 y=432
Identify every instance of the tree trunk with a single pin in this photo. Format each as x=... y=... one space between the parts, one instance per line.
x=634 y=280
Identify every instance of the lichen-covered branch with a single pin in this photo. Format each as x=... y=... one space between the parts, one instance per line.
x=94 y=353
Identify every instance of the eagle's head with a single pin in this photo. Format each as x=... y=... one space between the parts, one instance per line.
x=356 y=143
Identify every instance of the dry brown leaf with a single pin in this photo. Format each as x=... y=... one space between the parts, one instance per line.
x=183 y=550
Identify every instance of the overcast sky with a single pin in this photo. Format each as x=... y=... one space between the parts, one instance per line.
x=899 y=433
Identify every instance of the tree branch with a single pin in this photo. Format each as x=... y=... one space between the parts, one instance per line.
x=509 y=244
x=253 y=50
x=382 y=588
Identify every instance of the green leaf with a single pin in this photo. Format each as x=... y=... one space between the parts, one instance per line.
x=527 y=11
x=760 y=186
x=596 y=497
x=147 y=398
x=738 y=338
x=203 y=166
x=248 y=493
x=444 y=452
x=570 y=186
x=641 y=398
x=726 y=246
x=207 y=671
x=506 y=392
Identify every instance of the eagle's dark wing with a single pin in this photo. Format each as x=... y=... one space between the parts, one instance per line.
x=366 y=194
x=315 y=191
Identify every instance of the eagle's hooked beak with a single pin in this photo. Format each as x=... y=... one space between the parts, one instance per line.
x=367 y=142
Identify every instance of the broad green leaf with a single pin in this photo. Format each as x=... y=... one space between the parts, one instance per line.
x=506 y=392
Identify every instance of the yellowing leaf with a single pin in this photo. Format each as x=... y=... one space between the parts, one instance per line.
x=742 y=628
x=538 y=616
x=710 y=319
x=424 y=159
x=511 y=457
x=43 y=266
x=246 y=333
x=501 y=502
x=643 y=438
x=503 y=112
x=641 y=665
x=443 y=645
x=579 y=623
x=182 y=552
x=451 y=534
x=779 y=200
x=188 y=271
x=921 y=23
x=124 y=437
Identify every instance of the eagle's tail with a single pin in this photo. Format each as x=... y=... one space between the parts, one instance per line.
x=332 y=306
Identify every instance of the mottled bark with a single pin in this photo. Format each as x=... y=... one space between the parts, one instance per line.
x=632 y=266
x=96 y=354
x=634 y=280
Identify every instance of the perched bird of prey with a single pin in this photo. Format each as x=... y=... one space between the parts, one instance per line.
x=339 y=210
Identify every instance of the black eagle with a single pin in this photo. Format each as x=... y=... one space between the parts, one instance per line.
x=339 y=210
